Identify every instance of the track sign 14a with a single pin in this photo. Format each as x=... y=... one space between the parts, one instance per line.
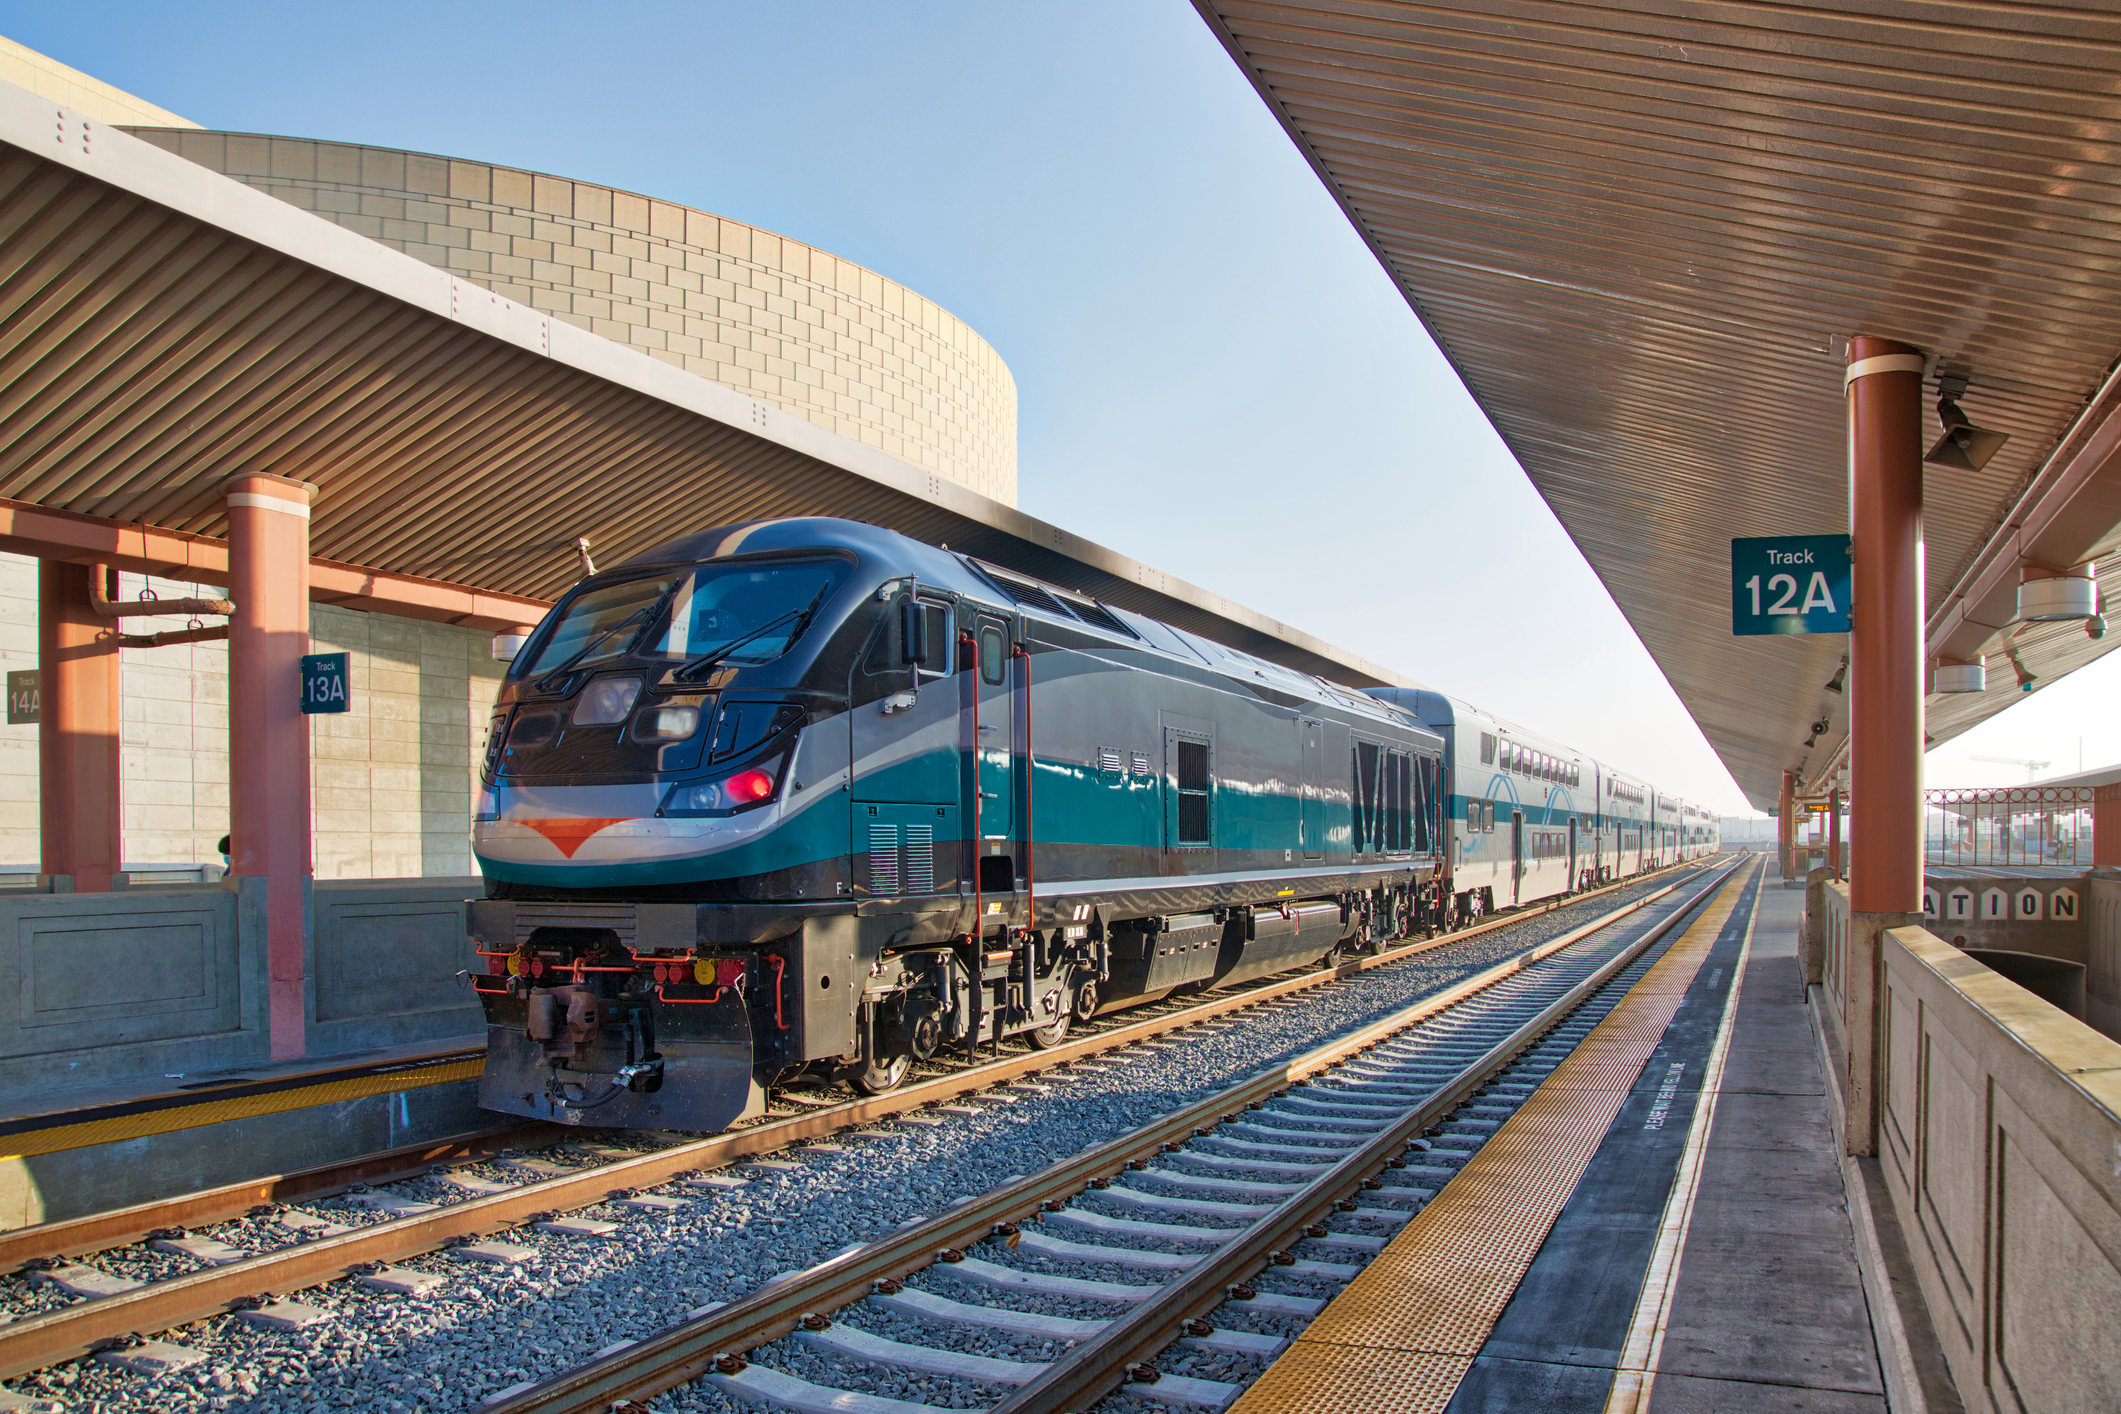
x=1790 y=584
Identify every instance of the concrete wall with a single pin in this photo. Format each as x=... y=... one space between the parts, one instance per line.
x=1999 y=1131
x=2102 y=980
x=2001 y=1123
x=392 y=778
x=386 y=957
x=795 y=327
x=113 y=988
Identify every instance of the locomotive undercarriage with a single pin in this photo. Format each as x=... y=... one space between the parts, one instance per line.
x=680 y=1016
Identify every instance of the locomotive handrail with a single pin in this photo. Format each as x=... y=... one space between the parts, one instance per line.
x=979 y=793
x=1030 y=778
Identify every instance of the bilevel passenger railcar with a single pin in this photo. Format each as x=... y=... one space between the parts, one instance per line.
x=1530 y=819
x=810 y=794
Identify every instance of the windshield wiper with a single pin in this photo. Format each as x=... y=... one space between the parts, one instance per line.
x=802 y=621
x=638 y=616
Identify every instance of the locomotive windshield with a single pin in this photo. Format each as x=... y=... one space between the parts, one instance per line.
x=756 y=610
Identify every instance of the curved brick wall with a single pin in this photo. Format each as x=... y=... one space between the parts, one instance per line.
x=793 y=326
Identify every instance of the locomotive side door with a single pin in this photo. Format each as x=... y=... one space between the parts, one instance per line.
x=904 y=759
x=991 y=728
x=1313 y=733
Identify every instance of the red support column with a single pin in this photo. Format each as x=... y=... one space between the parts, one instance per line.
x=1786 y=826
x=2106 y=827
x=77 y=731
x=268 y=553
x=1886 y=650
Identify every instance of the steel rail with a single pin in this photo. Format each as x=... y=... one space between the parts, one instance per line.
x=681 y=1353
x=39 y=1341
x=120 y=1227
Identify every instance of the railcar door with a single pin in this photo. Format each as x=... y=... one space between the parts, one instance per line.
x=1314 y=787
x=1573 y=880
x=992 y=725
x=1516 y=855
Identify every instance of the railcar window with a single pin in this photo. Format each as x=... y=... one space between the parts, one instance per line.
x=993 y=656
x=1424 y=804
x=1405 y=812
x=1193 y=780
x=1395 y=798
x=1365 y=796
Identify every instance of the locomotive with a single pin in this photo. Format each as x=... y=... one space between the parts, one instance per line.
x=809 y=795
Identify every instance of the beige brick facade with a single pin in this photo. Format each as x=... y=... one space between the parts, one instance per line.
x=391 y=779
x=795 y=327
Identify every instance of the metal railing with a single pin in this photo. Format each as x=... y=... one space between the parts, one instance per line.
x=2009 y=825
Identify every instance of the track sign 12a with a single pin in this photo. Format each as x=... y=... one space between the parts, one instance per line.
x=324 y=687
x=1790 y=584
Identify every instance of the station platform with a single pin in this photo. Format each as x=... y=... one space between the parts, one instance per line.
x=112 y=1146
x=1663 y=1226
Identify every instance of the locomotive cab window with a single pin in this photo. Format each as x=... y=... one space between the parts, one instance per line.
x=993 y=656
x=913 y=634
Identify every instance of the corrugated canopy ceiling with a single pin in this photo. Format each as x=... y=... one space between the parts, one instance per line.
x=163 y=327
x=1643 y=233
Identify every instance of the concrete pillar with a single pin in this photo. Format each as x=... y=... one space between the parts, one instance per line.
x=269 y=826
x=77 y=731
x=1786 y=827
x=2106 y=827
x=1886 y=649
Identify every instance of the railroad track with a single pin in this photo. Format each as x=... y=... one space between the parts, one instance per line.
x=238 y=1282
x=1362 y=1117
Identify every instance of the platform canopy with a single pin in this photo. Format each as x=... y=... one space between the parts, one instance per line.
x=164 y=327
x=1643 y=234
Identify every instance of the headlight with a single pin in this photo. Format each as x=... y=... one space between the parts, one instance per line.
x=666 y=723
x=755 y=785
x=607 y=700
x=486 y=805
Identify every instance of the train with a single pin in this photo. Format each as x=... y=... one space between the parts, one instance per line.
x=808 y=796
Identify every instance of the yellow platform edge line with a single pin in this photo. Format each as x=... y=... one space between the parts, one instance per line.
x=1401 y=1336
x=169 y=1121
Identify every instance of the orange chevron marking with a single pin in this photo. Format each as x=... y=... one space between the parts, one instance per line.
x=571 y=833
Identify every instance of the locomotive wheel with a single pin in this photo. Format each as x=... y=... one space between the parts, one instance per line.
x=1086 y=1000
x=873 y=1076
x=1045 y=1038
x=887 y=1058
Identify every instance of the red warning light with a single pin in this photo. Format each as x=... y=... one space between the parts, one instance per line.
x=748 y=786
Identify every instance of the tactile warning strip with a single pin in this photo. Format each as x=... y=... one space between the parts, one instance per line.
x=1399 y=1338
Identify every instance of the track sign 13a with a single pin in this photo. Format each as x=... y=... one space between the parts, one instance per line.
x=324 y=686
x=1790 y=584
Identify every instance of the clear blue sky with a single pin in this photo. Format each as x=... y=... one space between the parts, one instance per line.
x=1213 y=374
